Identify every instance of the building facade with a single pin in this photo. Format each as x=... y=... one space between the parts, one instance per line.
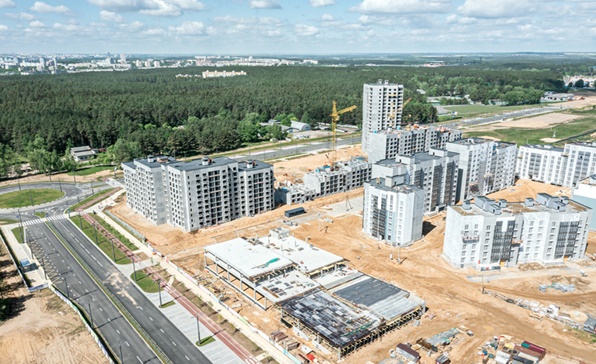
x=381 y=108
x=435 y=172
x=491 y=233
x=585 y=193
x=393 y=213
x=200 y=193
x=388 y=144
x=485 y=166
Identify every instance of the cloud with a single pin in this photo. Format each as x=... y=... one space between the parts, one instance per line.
x=3 y=28
x=265 y=4
x=67 y=27
x=305 y=30
x=36 y=24
x=111 y=17
x=402 y=6
x=496 y=9
x=41 y=7
x=321 y=3
x=20 y=16
x=153 y=31
x=192 y=28
x=7 y=4
x=327 y=17
x=151 y=7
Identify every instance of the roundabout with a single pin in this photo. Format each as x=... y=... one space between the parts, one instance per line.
x=29 y=197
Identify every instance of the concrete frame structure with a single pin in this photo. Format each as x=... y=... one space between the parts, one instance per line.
x=381 y=108
x=388 y=144
x=485 y=166
x=200 y=193
x=559 y=166
x=434 y=171
x=493 y=233
x=393 y=213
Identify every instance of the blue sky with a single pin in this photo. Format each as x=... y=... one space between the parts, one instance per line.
x=296 y=26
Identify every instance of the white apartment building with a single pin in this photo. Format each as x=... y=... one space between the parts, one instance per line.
x=543 y=163
x=200 y=193
x=560 y=166
x=390 y=143
x=585 y=193
x=485 y=166
x=393 y=213
x=489 y=233
x=381 y=108
x=435 y=172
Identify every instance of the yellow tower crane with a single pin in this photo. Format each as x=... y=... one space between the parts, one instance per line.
x=334 y=119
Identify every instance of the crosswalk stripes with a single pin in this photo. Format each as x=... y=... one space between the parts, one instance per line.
x=40 y=221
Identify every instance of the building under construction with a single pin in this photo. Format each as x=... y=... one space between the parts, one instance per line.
x=336 y=307
x=327 y=180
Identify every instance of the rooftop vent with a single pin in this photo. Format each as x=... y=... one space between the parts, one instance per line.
x=529 y=202
x=205 y=161
x=466 y=205
x=150 y=159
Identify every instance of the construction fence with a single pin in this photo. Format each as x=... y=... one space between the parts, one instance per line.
x=132 y=230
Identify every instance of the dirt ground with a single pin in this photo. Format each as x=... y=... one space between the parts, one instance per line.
x=450 y=296
x=63 y=177
x=43 y=329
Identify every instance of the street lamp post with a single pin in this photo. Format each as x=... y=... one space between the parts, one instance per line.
x=159 y=290
x=45 y=274
x=198 y=331
x=90 y=313
x=134 y=270
x=30 y=197
x=113 y=251
x=95 y=228
x=21 y=229
x=67 y=290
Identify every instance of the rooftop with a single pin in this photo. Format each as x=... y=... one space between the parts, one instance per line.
x=380 y=184
x=286 y=285
x=307 y=257
x=251 y=260
x=202 y=163
x=543 y=147
x=515 y=208
x=154 y=162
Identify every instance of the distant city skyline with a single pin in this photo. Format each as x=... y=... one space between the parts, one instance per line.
x=296 y=26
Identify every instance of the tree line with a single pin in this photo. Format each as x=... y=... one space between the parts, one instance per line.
x=150 y=111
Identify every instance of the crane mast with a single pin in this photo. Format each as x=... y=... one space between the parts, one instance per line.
x=334 y=119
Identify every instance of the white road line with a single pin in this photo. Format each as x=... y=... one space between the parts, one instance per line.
x=174 y=343
x=161 y=330
x=187 y=358
x=140 y=361
x=118 y=331
x=127 y=344
x=150 y=318
x=101 y=309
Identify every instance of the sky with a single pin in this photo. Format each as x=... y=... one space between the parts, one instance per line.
x=313 y=27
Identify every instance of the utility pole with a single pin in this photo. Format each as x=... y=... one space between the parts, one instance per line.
x=95 y=228
x=198 y=331
x=60 y=184
x=120 y=349
x=134 y=270
x=482 y=285
x=30 y=197
x=43 y=266
x=159 y=290
x=74 y=176
x=21 y=231
x=113 y=251
x=81 y=221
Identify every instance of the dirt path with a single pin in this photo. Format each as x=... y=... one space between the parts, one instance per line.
x=43 y=329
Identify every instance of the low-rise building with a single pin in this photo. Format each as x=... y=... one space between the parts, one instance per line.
x=393 y=212
x=84 y=153
x=485 y=166
x=491 y=233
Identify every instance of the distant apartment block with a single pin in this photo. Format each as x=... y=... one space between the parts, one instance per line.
x=390 y=143
x=200 y=193
x=213 y=74
x=585 y=193
x=485 y=166
x=393 y=213
x=323 y=181
x=435 y=172
x=381 y=108
x=560 y=166
x=491 y=233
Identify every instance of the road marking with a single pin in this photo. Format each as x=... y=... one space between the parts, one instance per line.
x=140 y=361
x=150 y=318
x=162 y=331
x=127 y=344
x=174 y=343
x=118 y=331
x=186 y=357
x=101 y=309
x=141 y=307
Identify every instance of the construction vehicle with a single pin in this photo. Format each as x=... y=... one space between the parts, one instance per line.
x=394 y=112
x=334 y=119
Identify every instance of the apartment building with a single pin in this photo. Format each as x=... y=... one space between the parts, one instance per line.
x=485 y=166
x=390 y=143
x=393 y=213
x=381 y=108
x=200 y=193
x=543 y=163
x=560 y=166
x=585 y=193
x=435 y=172
x=489 y=233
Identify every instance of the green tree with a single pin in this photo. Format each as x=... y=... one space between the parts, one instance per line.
x=579 y=83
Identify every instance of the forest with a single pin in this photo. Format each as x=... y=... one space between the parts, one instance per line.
x=151 y=111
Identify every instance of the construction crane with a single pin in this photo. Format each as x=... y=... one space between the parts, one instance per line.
x=334 y=119
x=394 y=112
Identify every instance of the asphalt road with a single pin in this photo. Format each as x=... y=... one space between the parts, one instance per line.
x=165 y=334
x=65 y=271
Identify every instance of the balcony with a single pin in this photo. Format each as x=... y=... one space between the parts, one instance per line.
x=470 y=239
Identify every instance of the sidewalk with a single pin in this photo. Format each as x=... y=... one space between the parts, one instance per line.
x=21 y=252
x=201 y=292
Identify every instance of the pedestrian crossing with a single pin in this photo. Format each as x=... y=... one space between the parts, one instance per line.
x=41 y=221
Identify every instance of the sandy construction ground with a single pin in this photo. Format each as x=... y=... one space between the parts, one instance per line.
x=450 y=295
x=44 y=329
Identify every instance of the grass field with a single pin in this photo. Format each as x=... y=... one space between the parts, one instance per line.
x=17 y=232
x=474 y=110
x=23 y=198
x=532 y=136
x=90 y=170
x=92 y=197
x=144 y=281
x=5 y=221
x=205 y=341
x=103 y=243
x=109 y=228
